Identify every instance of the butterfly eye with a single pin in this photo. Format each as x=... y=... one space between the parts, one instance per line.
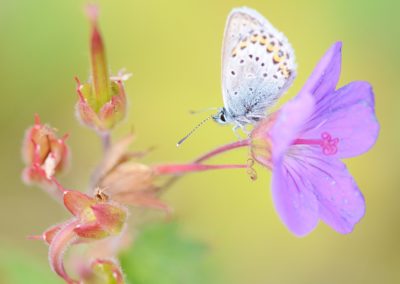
x=222 y=117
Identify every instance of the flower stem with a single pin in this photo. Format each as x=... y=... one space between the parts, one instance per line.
x=58 y=185
x=169 y=169
x=58 y=246
x=106 y=140
x=222 y=149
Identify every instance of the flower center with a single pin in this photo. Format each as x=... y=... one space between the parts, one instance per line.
x=327 y=143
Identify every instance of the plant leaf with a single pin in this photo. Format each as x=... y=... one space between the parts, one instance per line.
x=161 y=255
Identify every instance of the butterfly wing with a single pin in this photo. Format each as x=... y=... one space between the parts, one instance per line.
x=258 y=65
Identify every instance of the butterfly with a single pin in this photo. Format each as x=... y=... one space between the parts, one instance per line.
x=258 y=66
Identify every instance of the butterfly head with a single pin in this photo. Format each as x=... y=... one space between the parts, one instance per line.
x=222 y=116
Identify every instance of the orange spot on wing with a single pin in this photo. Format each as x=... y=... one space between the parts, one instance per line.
x=262 y=40
x=243 y=44
x=271 y=47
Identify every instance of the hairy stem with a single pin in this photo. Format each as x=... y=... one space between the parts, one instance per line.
x=176 y=169
x=223 y=149
x=106 y=140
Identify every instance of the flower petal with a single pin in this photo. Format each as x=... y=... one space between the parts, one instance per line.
x=76 y=202
x=110 y=216
x=50 y=233
x=289 y=123
x=341 y=204
x=85 y=108
x=91 y=231
x=114 y=110
x=349 y=115
x=143 y=199
x=293 y=198
x=326 y=74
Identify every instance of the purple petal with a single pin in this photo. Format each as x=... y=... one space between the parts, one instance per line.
x=341 y=204
x=326 y=74
x=293 y=198
x=349 y=115
x=290 y=122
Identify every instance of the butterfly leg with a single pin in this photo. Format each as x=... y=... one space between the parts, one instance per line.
x=235 y=130
x=245 y=130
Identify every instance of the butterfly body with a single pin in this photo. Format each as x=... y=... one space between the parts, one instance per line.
x=258 y=65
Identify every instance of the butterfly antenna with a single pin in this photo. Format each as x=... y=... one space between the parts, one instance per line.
x=191 y=132
x=202 y=110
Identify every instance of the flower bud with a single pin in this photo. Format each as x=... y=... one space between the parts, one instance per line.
x=104 y=271
x=101 y=101
x=97 y=219
x=93 y=220
x=45 y=154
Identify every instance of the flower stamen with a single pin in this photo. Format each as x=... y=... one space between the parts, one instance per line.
x=250 y=169
x=327 y=143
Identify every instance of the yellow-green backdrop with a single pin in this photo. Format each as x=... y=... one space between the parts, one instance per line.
x=173 y=50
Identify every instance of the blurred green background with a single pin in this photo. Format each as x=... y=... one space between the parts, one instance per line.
x=173 y=50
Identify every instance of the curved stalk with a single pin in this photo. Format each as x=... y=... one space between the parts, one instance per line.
x=223 y=149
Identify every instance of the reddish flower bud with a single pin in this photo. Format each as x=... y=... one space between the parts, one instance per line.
x=44 y=153
x=94 y=219
x=103 y=271
x=97 y=218
x=77 y=202
x=102 y=101
x=108 y=270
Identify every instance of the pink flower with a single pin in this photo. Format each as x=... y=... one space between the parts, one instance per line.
x=44 y=154
x=304 y=142
x=101 y=101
